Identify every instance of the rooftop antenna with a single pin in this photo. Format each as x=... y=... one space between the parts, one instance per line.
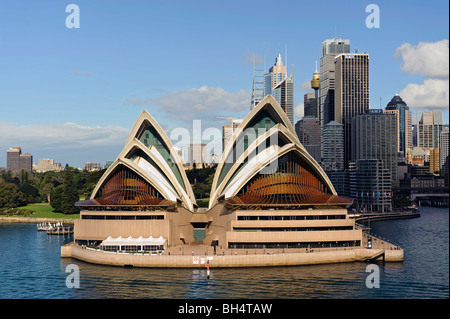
x=316 y=66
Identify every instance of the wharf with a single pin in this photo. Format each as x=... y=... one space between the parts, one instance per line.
x=62 y=230
x=362 y=217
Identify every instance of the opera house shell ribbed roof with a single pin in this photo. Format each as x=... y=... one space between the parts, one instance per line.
x=147 y=174
x=265 y=165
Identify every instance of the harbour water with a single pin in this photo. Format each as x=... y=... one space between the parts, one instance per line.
x=31 y=267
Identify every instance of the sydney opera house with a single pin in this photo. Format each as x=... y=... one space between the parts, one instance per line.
x=268 y=193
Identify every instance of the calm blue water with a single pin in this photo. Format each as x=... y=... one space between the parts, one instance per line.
x=31 y=267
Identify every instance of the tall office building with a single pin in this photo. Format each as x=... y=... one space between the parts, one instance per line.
x=404 y=123
x=280 y=87
x=351 y=96
x=429 y=127
x=308 y=132
x=16 y=161
x=375 y=137
x=370 y=185
x=196 y=155
x=330 y=49
x=333 y=147
x=13 y=159
x=333 y=156
x=310 y=105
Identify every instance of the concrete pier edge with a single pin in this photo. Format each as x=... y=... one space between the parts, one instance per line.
x=75 y=251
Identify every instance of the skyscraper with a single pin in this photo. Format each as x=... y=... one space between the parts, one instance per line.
x=310 y=105
x=351 y=93
x=333 y=147
x=330 y=49
x=280 y=87
x=16 y=161
x=308 y=132
x=370 y=185
x=429 y=127
x=196 y=154
x=404 y=122
x=375 y=137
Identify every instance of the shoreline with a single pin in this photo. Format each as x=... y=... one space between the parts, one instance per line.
x=34 y=220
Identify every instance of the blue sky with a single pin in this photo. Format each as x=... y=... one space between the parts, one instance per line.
x=74 y=94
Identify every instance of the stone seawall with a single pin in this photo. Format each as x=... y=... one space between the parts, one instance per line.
x=228 y=261
x=16 y=219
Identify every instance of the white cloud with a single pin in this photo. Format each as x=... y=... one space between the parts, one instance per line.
x=431 y=94
x=204 y=103
x=251 y=58
x=299 y=110
x=306 y=86
x=66 y=136
x=430 y=59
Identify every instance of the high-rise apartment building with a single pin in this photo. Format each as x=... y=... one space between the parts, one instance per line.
x=16 y=161
x=375 y=137
x=330 y=49
x=351 y=96
x=400 y=109
x=429 y=127
x=280 y=87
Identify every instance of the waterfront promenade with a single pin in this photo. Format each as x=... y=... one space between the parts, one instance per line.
x=197 y=255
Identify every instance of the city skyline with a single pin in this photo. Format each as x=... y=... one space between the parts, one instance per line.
x=66 y=91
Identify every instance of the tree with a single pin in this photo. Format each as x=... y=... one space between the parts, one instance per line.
x=31 y=193
x=70 y=192
x=63 y=197
x=10 y=196
x=57 y=198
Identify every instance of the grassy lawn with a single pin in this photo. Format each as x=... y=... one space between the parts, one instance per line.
x=44 y=210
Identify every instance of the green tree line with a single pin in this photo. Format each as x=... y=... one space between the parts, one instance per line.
x=60 y=189
x=63 y=189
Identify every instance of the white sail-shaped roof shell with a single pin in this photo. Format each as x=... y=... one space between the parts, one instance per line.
x=158 y=174
x=227 y=183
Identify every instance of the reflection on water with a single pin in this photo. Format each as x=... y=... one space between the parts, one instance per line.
x=319 y=281
x=31 y=267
